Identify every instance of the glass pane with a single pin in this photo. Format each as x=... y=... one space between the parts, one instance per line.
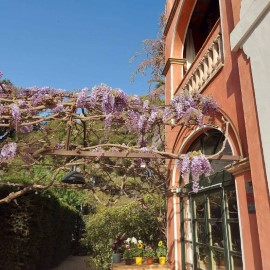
x=235 y=237
x=212 y=142
x=218 y=260
x=202 y=255
x=215 y=205
x=201 y=236
x=218 y=165
x=199 y=207
x=217 y=236
x=237 y=263
x=232 y=204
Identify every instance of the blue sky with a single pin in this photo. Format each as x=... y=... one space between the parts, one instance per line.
x=71 y=44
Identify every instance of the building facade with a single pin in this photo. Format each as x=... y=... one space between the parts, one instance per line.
x=221 y=48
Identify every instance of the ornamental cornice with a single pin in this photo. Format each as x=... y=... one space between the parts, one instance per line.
x=238 y=167
x=170 y=61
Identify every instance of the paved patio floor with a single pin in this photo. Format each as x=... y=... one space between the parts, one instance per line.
x=73 y=263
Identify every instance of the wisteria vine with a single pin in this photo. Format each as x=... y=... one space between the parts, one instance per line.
x=24 y=110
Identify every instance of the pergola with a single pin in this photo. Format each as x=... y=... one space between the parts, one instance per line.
x=32 y=118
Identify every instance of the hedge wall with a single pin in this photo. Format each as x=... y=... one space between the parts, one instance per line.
x=36 y=232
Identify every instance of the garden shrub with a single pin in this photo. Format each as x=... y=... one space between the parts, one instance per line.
x=36 y=231
x=132 y=219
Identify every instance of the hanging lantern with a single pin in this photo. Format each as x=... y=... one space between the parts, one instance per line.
x=74 y=177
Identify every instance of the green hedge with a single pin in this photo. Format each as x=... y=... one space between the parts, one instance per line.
x=107 y=223
x=36 y=231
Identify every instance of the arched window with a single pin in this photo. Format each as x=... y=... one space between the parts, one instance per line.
x=210 y=235
x=209 y=143
x=204 y=16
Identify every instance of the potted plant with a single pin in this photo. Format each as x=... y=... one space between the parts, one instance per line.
x=161 y=252
x=117 y=247
x=149 y=254
x=138 y=252
x=128 y=254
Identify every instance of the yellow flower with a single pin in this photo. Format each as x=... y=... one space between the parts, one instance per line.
x=140 y=246
x=160 y=243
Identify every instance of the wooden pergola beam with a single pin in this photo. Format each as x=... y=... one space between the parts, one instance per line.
x=90 y=154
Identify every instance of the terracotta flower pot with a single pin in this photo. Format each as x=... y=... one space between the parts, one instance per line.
x=149 y=260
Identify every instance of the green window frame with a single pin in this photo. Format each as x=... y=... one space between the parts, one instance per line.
x=214 y=225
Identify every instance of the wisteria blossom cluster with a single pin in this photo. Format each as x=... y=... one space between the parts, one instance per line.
x=196 y=165
x=24 y=107
x=8 y=152
x=189 y=108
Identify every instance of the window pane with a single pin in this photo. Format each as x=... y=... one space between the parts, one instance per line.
x=237 y=263
x=201 y=233
x=218 y=260
x=235 y=237
x=217 y=236
x=202 y=255
x=215 y=205
x=199 y=207
x=232 y=204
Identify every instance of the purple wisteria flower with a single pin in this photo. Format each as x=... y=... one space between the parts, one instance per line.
x=58 y=108
x=142 y=141
x=16 y=114
x=141 y=122
x=195 y=186
x=108 y=121
x=59 y=145
x=185 y=165
x=26 y=129
x=132 y=119
x=208 y=104
x=121 y=100
x=168 y=113
x=146 y=104
x=136 y=101
x=196 y=165
x=147 y=149
x=1 y=74
x=199 y=165
x=2 y=109
x=22 y=103
x=81 y=98
x=8 y=152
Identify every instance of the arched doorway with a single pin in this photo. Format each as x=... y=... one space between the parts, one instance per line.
x=210 y=236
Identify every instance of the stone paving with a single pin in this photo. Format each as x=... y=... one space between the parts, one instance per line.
x=73 y=263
